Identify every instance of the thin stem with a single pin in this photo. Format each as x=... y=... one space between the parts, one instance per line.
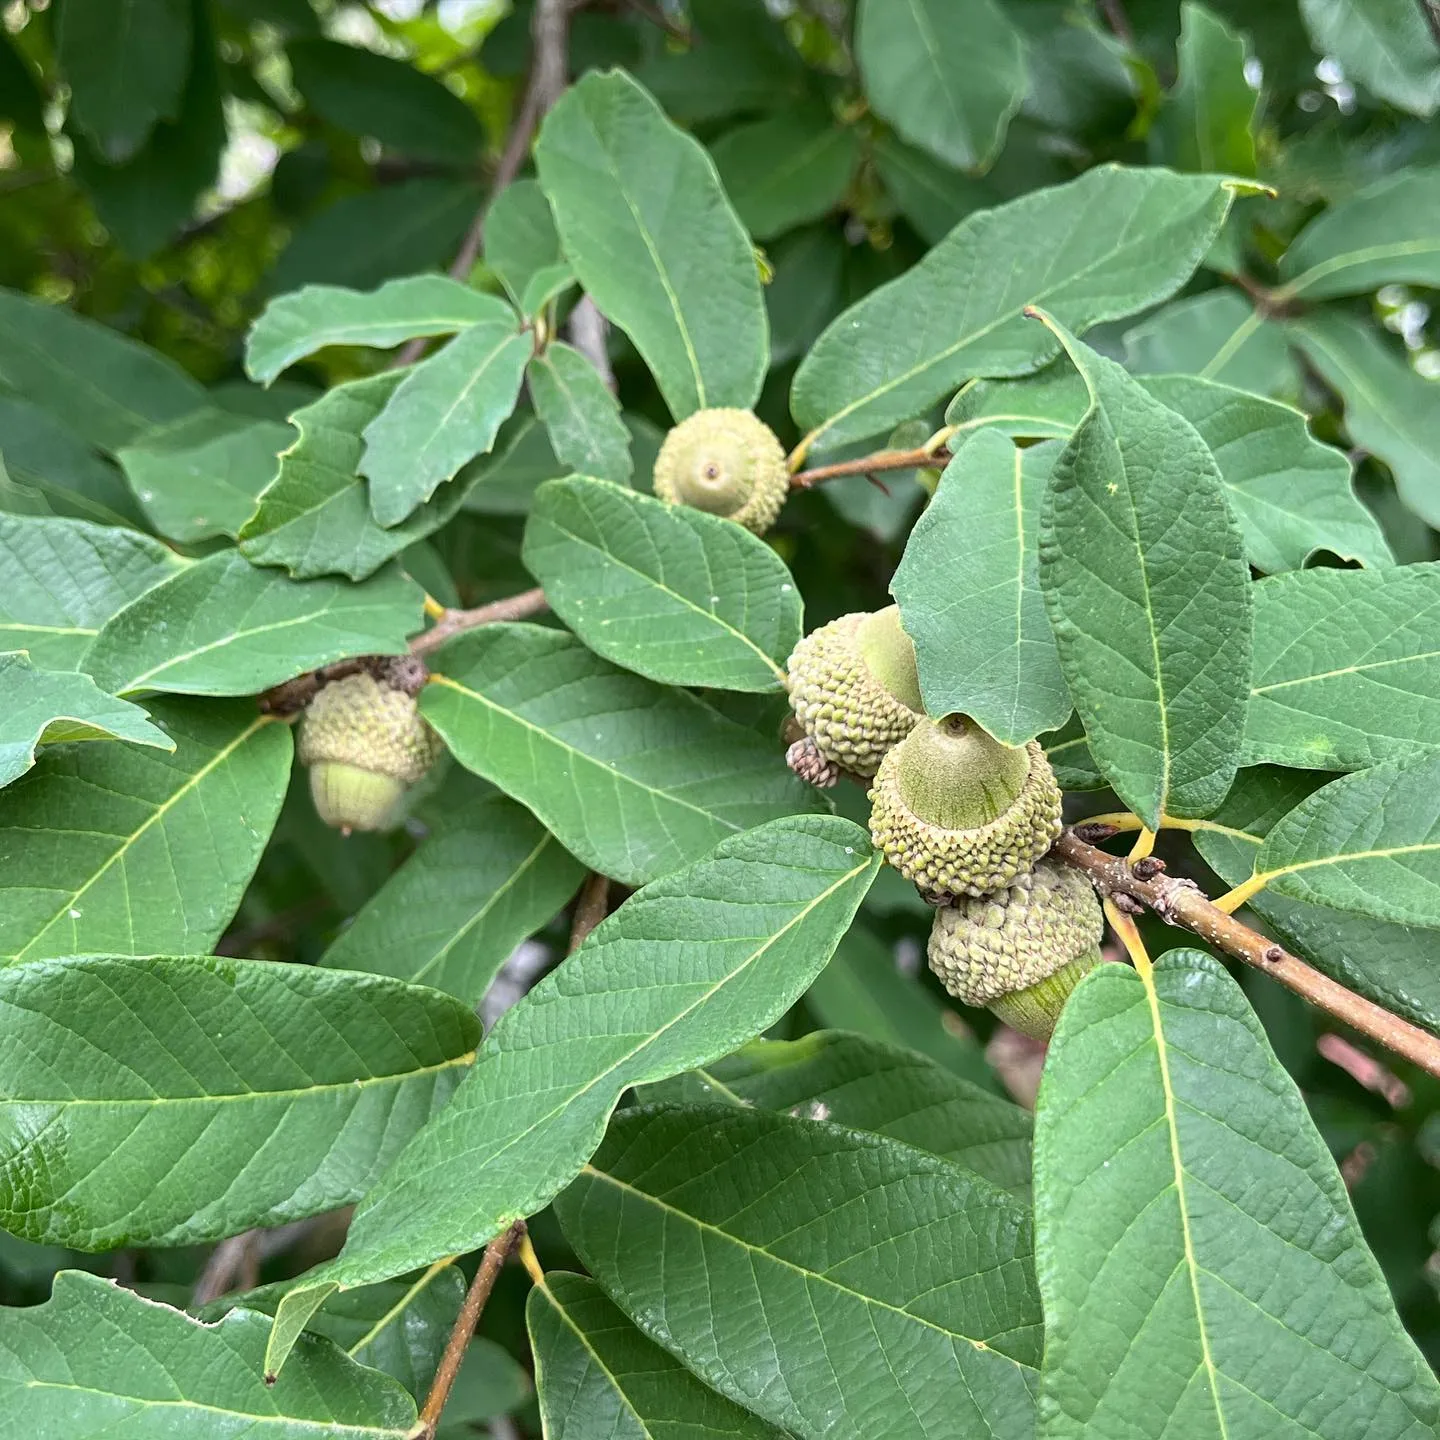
x=1232 y=900
x=484 y=1282
x=455 y=622
x=590 y=909
x=1117 y=20
x=1180 y=902
x=531 y=1261
x=1129 y=934
x=881 y=460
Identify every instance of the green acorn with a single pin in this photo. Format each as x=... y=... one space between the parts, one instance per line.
x=854 y=690
x=959 y=813
x=1023 y=949
x=726 y=462
x=366 y=744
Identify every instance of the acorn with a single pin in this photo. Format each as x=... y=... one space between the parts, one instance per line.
x=726 y=462
x=959 y=813
x=1023 y=949
x=854 y=689
x=365 y=743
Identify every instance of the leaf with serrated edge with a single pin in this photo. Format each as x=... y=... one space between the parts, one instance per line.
x=594 y=1372
x=223 y=627
x=1367 y=843
x=65 y=578
x=684 y=971
x=147 y=1125
x=646 y=225
x=112 y=849
x=446 y=411
x=969 y=592
x=295 y=325
x=49 y=707
x=451 y=915
x=1101 y=247
x=580 y=414
x=314 y=517
x=1164 y=1135
x=729 y=1236
x=161 y=1373
x=1145 y=581
x=631 y=777
x=1208 y=120
x=864 y=1084
x=667 y=591
x=1347 y=667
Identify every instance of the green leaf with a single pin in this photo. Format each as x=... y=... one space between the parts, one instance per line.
x=222 y=627
x=786 y=169
x=1219 y=336
x=866 y=1085
x=1397 y=966
x=1347 y=668
x=1385 y=45
x=52 y=471
x=580 y=413
x=665 y=590
x=969 y=592
x=198 y=477
x=730 y=1236
x=504 y=482
x=314 y=517
x=947 y=80
x=168 y=1101
x=1290 y=494
x=632 y=778
x=52 y=707
x=105 y=387
x=159 y=1373
x=933 y=197
x=1106 y=245
x=65 y=578
x=298 y=324
x=1166 y=1136
x=1387 y=234
x=362 y=240
x=1367 y=843
x=1144 y=575
x=109 y=849
x=646 y=225
x=1389 y=409
x=687 y=969
x=1068 y=752
x=863 y=989
x=125 y=62
x=805 y=293
x=1207 y=122
x=395 y=1326
x=368 y=94
x=452 y=914
x=445 y=412
x=522 y=246
x=595 y=1371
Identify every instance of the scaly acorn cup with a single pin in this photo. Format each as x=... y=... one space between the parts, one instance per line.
x=1023 y=949
x=365 y=743
x=854 y=689
x=726 y=462
x=959 y=813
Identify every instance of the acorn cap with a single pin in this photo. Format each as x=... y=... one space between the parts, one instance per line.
x=854 y=689
x=726 y=462
x=365 y=743
x=959 y=813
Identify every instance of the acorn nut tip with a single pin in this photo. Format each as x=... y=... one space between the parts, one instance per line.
x=365 y=744
x=727 y=462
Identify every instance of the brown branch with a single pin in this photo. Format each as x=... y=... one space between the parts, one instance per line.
x=234 y=1264
x=496 y=1253
x=591 y=907
x=1117 y=20
x=454 y=622
x=1430 y=14
x=549 y=73
x=1180 y=902
x=871 y=464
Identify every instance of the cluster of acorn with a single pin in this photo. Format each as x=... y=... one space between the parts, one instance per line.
x=964 y=817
